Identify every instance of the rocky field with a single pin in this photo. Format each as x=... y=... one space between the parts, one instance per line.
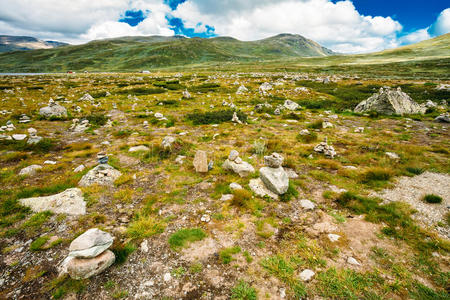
x=223 y=186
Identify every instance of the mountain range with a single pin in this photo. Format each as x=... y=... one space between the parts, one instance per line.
x=159 y=52
x=20 y=43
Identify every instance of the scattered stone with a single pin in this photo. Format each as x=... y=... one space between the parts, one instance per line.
x=186 y=94
x=83 y=268
x=30 y=170
x=90 y=244
x=236 y=164
x=390 y=101
x=205 y=218
x=235 y=118
x=258 y=187
x=274 y=160
x=80 y=168
x=326 y=124
x=86 y=97
x=353 y=261
x=226 y=197
x=167 y=142
x=241 y=90
x=359 y=130
x=144 y=246
x=102 y=174
x=307 y=204
x=180 y=159
x=201 y=162
x=70 y=202
x=306 y=275
x=392 y=155
x=291 y=105
x=443 y=118
x=139 y=148
x=333 y=237
x=49 y=162
x=167 y=277
x=235 y=186
x=19 y=137
x=304 y=132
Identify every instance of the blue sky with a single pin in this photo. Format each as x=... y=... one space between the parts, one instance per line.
x=345 y=26
x=412 y=14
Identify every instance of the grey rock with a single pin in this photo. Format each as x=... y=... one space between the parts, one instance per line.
x=53 y=110
x=444 y=118
x=390 y=101
x=258 y=187
x=233 y=155
x=307 y=204
x=238 y=166
x=167 y=142
x=291 y=105
x=138 y=148
x=70 y=202
x=307 y=275
x=30 y=170
x=90 y=244
x=275 y=179
x=83 y=268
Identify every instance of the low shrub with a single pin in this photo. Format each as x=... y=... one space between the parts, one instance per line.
x=431 y=198
x=243 y=291
x=214 y=117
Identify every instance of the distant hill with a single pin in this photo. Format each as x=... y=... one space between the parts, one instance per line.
x=22 y=43
x=137 y=53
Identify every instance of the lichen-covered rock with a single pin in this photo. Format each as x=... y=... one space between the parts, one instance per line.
x=70 y=202
x=390 y=101
x=258 y=187
x=291 y=105
x=201 y=162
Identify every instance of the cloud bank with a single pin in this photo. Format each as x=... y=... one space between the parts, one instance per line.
x=335 y=24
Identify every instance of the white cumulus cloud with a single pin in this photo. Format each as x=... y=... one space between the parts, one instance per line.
x=336 y=25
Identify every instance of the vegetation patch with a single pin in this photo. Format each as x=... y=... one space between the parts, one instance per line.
x=182 y=237
x=214 y=117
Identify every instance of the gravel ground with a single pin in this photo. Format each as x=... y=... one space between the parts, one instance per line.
x=413 y=189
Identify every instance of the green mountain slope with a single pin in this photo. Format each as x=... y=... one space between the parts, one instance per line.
x=137 y=53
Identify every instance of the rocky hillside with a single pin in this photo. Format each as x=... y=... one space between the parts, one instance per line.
x=19 y=43
x=137 y=53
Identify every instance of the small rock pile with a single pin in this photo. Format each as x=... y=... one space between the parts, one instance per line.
x=186 y=94
x=89 y=254
x=326 y=149
x=78 y=126
x=103 y=174
x=236 y=164
x=241 y=90
x=33 y=138
x=53 y=110
x=273 y=175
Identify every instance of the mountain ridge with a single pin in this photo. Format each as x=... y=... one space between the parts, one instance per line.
x=10 y=43
x=136 y=52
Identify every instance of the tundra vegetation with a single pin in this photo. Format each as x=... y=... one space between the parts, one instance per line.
x=186 y=234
